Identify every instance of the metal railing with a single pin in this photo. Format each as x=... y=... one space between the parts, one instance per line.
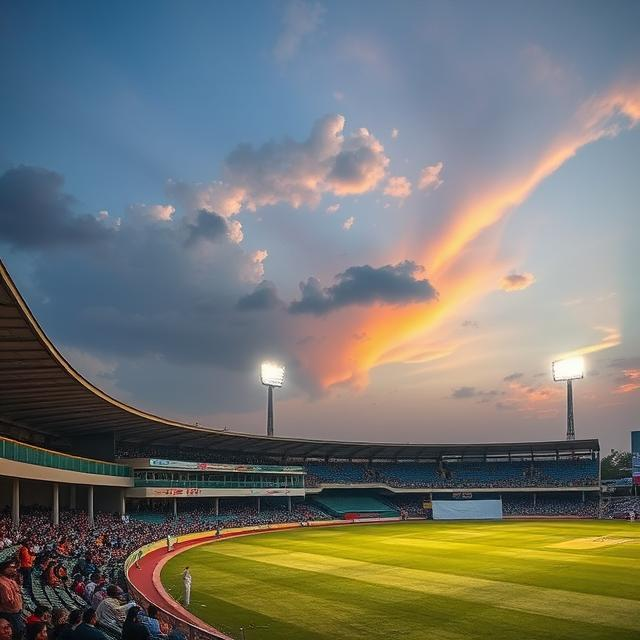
x=30 y=454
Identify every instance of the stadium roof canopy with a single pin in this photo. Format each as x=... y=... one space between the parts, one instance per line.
x=40 y=391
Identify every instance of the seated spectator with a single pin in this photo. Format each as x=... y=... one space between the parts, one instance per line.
x=78 y=585
x=90 y=587
x=111 y=611
x=58 y=622
x=86 y=630
x=133 y=629
x=50 y=576
x=36 y=631
x=40 y=614
x=11 y=597
x=99 y=594
x=6 y=630
x=150 y=620
x=66 y=631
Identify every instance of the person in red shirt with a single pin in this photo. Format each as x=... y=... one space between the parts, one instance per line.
x=40 y=614
x=11 y=597
x=27 y=559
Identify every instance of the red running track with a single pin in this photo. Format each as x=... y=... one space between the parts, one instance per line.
x=146 y=580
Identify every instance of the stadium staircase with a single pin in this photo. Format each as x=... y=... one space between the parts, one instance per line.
x=355 y=506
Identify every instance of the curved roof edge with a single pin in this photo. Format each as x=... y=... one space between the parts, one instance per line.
x=40 y=390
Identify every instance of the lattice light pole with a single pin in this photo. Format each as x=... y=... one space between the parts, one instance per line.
x=271 y=375
x=568 y=370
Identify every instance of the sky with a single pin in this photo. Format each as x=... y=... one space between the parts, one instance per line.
x=415 y=207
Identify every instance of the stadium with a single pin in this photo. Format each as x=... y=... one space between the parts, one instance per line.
x=294 y=538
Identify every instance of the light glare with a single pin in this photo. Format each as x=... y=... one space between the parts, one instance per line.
x=272 y=374
x=569 y=369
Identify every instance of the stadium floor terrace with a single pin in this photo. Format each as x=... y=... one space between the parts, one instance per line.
x=451 y=581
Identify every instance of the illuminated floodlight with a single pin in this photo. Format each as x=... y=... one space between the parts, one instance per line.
x=569 y=369
x=272 y=374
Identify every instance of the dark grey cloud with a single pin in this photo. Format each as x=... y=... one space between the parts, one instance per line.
x=207 y=226
x=151 y=300
x=365 y=285
x=462 y=393
x=263 y=298
x=35 y=212
x=513 y=376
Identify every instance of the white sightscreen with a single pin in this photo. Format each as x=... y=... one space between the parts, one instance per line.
x=467 y=509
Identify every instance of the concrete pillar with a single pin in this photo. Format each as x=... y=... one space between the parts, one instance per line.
x=55 y=504
x=175 y=507
x=289 y=503
x=583 y=497
x=217 y=503
x=123 y=502
x=90 y=505
x=258 y=504
x=534 y=499
x=72 y=496
x=15 y=504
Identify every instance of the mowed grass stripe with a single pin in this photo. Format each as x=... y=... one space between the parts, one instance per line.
x=276 y=603
x=557 y=603
x=517 y=565
x=383 y=611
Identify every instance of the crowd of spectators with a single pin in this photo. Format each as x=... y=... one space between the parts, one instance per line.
x=452 y=474
x=622 y=508
x=457 y=475
x=66 y=582
x=550 y=505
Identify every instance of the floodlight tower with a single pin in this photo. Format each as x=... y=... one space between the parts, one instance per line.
x=570 y=369
x=271 y=375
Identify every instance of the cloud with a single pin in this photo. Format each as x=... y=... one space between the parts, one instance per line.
x=365 y=286
x=223 y=199
x=398 y=187
x=632 y=362
x=36 y=213
x=207 y=226
x=151 y=212
x=333 y=208
x=513 y=376
x=611 y=337
x=517 y=281
x=461 y=393
x=300 y=19
x=257 y=260
x=430 y=177
x=394 y=133
x=291 y=172
x=630 y=381
x=161 y=302
x=263 y=298
x=473 y=324
x=348 y=223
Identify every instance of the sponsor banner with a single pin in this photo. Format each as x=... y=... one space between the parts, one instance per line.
x=192 y=492
x=215 y=466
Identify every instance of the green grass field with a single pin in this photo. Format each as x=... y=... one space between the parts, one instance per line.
x=447 y=581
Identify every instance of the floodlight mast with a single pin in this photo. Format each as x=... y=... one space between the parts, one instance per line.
x=271 y=375
x=568 y=370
